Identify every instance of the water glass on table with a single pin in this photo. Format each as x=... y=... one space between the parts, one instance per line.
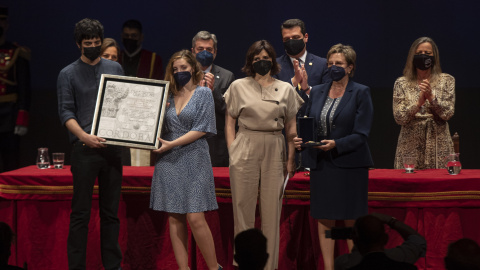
x=409 y=163
x=58 y=159
x=43 y=160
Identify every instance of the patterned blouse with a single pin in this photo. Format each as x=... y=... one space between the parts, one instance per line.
x=326 y=117
x=425 y=133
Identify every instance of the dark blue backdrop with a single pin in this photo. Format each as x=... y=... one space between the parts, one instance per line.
x=380 y=31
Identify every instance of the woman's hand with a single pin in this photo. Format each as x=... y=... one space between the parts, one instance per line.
x=298 y=143
x=291 y=168
x=421 y=99
x=328 y=145
x=426 y=90
x=166 y=145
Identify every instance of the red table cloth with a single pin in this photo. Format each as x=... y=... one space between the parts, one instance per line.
x=36 y=203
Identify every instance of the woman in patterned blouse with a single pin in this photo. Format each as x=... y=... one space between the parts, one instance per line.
x=423 y=102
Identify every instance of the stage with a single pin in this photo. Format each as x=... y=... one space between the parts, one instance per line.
x=36 y=203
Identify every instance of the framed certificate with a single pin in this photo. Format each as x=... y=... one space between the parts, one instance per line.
x=130 y=111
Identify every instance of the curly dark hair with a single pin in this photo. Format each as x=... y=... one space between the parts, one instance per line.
x=88 y=29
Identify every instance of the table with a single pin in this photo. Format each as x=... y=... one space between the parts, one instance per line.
x=36 y=203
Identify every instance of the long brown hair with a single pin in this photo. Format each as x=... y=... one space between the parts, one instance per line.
x=197 y=73
x=410 y=72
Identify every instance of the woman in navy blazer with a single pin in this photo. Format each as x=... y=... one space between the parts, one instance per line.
x=343 y=114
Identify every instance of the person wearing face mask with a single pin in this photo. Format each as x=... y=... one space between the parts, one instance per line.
x=110 y=49
x=423 y=102
x=299 y=67
x=141 y=63
x=263 y=107
x=182 y=183
x=343 y=112
x=218 y=79
x=77 y=89
x=15 y=92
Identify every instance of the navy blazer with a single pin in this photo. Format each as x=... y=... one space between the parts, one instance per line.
x=350 y=126
x=217 y=144
x=316 y=68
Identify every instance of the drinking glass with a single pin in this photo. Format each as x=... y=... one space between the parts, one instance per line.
x=58 y=159
x=409 y=163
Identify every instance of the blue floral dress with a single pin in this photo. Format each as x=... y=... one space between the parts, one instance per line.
x=183 y=177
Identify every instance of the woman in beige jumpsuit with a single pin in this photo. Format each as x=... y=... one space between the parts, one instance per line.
x=263 y=107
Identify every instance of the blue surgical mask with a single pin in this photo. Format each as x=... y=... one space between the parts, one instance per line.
x=205 y=58
x=182 y=78
x=336 y=73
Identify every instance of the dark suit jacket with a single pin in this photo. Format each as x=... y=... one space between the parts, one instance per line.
x=350 y=127
x=217 y=144
x=316 y=68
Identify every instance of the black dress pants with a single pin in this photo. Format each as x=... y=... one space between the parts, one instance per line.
x=87 y=165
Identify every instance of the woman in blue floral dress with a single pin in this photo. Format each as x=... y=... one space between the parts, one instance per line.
x=182 y=183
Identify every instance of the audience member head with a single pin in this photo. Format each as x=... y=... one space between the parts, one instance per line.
x=463 y=254
x=348 y=53
x=423 y=46
x=255 y=50
x=251 y=250
x=132 y=36
x=89 y=37
x=191 y=65
x=6 y=239
x=110 y=49
x=369 y=234
x=294 y=37
x=204 y=47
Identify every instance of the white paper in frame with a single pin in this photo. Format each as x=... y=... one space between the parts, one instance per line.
x=130 y=111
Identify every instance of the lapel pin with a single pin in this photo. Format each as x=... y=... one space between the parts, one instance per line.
x=310 y=63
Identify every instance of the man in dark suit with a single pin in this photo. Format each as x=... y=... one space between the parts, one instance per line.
x=299 y=67
x=218 y=79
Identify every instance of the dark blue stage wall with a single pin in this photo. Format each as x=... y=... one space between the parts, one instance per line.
x=380 y=31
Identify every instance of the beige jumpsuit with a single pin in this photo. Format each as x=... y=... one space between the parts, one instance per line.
x=258 y=154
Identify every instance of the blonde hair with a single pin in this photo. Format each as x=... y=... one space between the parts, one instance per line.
x=348 y=52
x=197 y=73
x=410 y=71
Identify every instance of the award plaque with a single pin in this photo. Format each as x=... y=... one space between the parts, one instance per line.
x=130 y=111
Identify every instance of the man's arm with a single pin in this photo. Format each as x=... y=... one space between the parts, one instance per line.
x=414 y=246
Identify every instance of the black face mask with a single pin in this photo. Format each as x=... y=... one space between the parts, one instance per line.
x=262 y=67
x=294 y=46
x=131 y=45
x=92 y=53
x=423 y=61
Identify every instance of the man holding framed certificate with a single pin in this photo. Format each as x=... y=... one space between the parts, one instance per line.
x=77 y=89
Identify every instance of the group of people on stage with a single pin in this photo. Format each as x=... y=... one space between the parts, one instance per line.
x=248 y=116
